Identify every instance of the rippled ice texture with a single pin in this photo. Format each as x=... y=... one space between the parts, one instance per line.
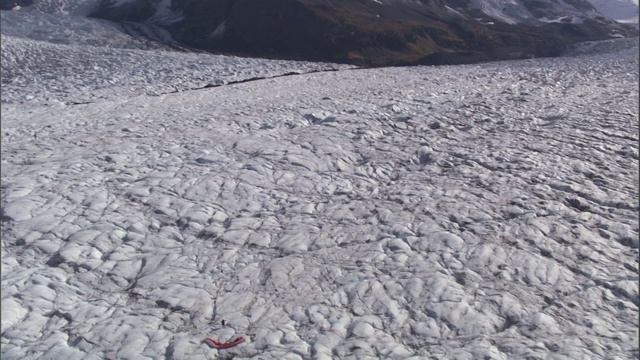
x=472 y=212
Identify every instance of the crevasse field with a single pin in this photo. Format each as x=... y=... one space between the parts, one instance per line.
x=482 y=211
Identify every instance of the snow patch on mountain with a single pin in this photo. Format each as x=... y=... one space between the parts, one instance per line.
x=508 y=11
x=625 y=11
x=164 y=15
x=218 y=33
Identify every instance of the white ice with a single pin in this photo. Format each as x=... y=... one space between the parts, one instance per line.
x=463 y=212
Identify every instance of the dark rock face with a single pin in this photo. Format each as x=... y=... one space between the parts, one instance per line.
x=134 y=11
x=375 y=33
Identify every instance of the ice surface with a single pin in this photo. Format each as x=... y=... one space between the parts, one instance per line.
x=478 y=211
x=58 y=60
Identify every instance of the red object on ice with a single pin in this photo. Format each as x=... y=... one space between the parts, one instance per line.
x=219 y=345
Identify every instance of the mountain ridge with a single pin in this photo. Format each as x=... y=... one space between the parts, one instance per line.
x=381 y=33
x=372 y=32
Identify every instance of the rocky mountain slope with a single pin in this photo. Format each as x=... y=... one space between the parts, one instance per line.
x=364 y=32
x=389 y=32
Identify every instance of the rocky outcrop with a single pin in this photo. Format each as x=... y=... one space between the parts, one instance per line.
x=374 y=33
